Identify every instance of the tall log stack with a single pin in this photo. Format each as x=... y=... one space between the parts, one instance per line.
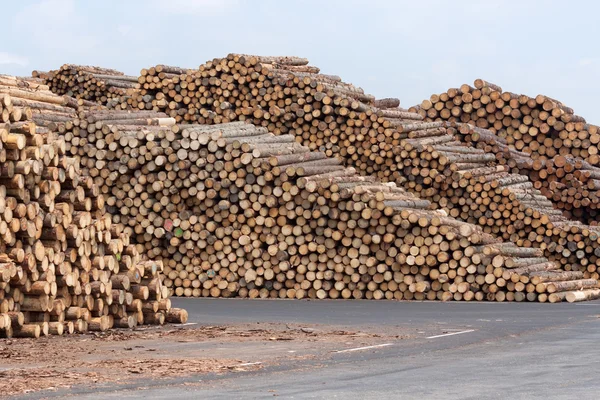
x=287 y=96
x=563 y=148
x=232 y=210
x=63 y=266
x=95 y=84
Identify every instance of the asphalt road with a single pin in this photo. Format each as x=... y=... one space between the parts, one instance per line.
x=456 y=351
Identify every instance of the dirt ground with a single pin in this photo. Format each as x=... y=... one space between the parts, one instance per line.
x=121 y=356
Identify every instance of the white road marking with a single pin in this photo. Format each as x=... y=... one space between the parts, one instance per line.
x=248 y=364
x=363 y=348
x=450 y=334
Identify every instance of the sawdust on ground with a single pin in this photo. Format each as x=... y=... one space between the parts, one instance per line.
x=120 y=356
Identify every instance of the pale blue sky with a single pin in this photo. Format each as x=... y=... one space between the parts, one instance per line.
x=406 y=49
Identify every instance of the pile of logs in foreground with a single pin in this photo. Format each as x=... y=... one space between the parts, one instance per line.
x=563 y=149
x=64 y=266
x=94 y=84
x=233 y=210
x=376 y=137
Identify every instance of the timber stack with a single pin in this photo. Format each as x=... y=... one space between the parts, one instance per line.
x=284 y=95
x=471 y=185
x=232 y=210
x=570 y=183
x=63 y=266
x=94 y=84
x=287 y=96
x=154 y=86
x=562 y=147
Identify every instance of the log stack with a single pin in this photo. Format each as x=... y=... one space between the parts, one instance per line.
x=94 y=84
x=287 y=96
x=232 y=210
x=473 y=186
x=570 y=183
x=562 y=147
x=540 y=126
x=155 y=86
x=63 y=266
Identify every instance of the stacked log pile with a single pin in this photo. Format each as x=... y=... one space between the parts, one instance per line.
x=475 y=188
x=232 y=210
x=94 y=84
x=287 y=96
x=159 y=88
x=64 y=267
x=283 y=94
x=570 y=183
x=540 y=126
x=39 y=76
x=562 y=147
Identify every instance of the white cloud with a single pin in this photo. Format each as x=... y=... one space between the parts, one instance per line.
x=197 y=7
x=584 y=62
x=8 y=58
